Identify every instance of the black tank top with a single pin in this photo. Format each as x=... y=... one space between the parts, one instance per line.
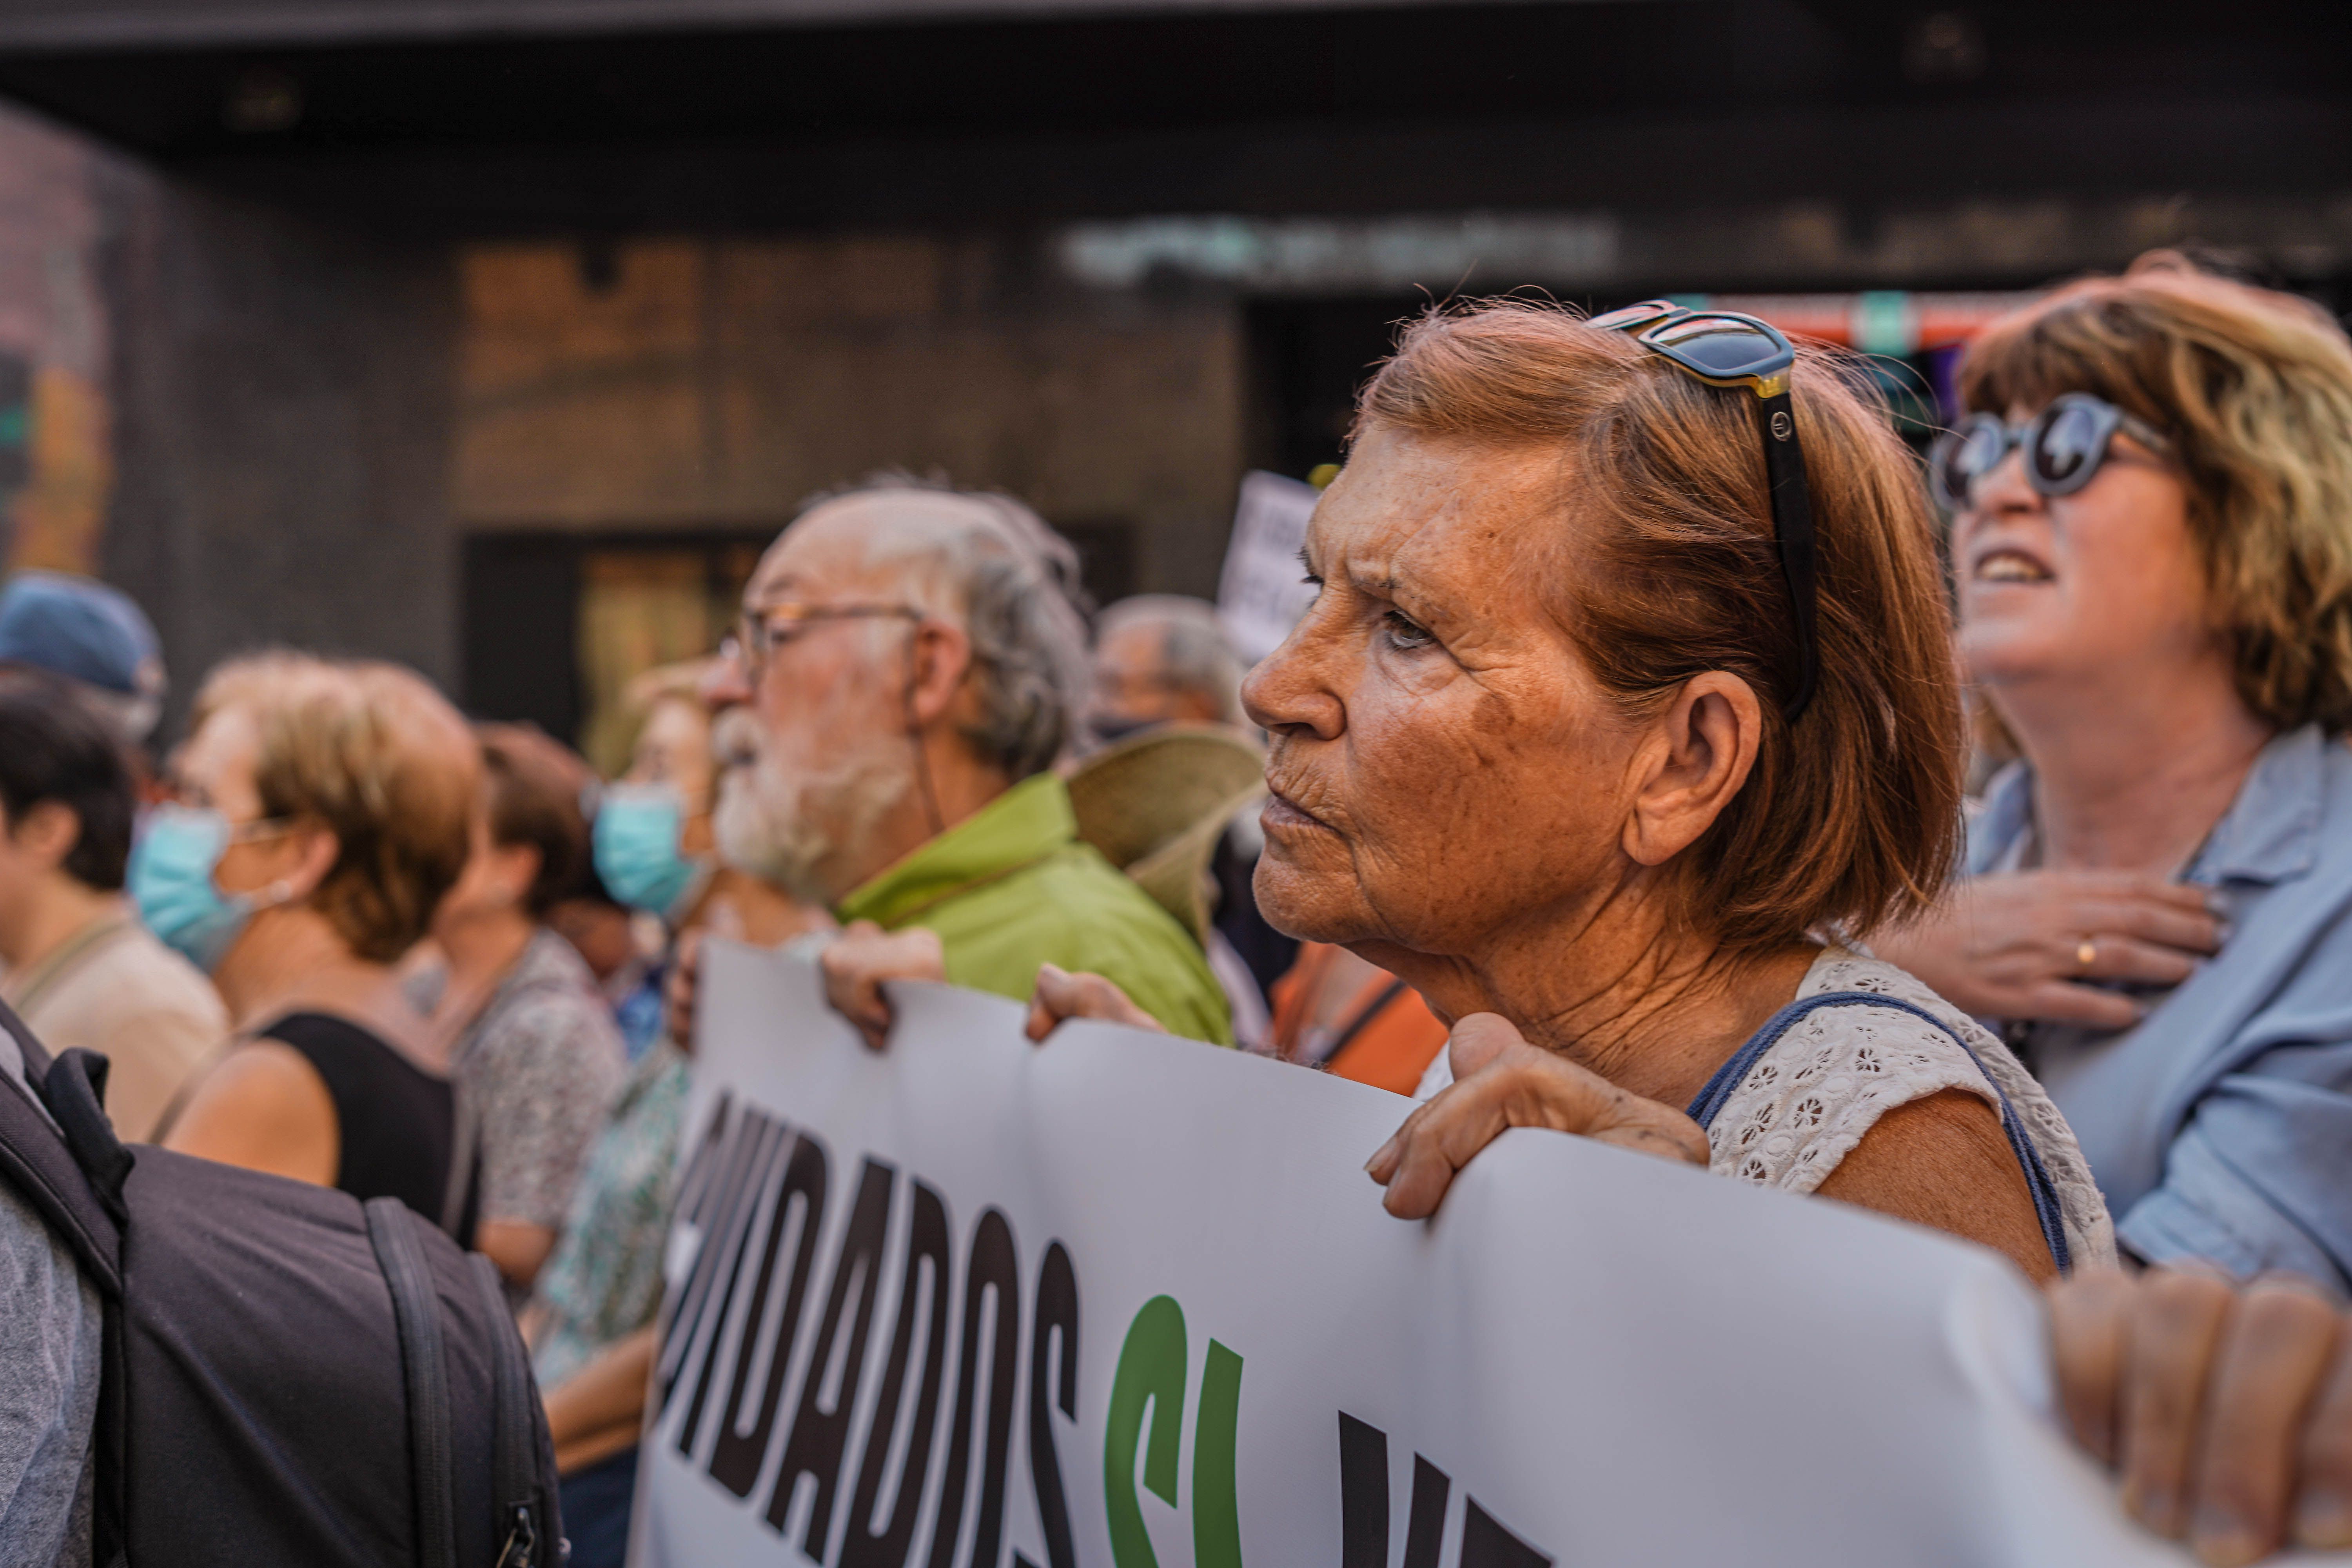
x=396 y=1122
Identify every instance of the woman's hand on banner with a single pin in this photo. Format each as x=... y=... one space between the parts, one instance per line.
x=863 y=958
x=1060 y=995
x=1501 y=1081
x=2226 y=1410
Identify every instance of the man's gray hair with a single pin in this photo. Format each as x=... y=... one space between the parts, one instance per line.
x=1195 y=653
x=994 y=565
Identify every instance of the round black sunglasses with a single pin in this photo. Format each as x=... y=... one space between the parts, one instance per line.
x=2064 y=446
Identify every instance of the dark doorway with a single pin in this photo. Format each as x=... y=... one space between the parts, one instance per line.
x=556 y=624
x=1307 y=358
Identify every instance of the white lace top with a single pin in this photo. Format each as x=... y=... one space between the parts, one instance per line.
x=1827 y=1081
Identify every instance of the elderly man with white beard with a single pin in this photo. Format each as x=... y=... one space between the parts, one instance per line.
x=913 y=665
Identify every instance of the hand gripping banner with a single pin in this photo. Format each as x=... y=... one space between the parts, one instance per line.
x=1128 y=1302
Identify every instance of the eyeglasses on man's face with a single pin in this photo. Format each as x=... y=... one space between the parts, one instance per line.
x=760 y=633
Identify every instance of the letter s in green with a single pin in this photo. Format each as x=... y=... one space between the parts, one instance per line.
x=1150 y=1369
x=1152 y=1365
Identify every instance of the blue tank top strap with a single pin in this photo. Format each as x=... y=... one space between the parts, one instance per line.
x=1718 y=1089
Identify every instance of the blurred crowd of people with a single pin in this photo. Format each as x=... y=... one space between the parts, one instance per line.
x=1558 y=777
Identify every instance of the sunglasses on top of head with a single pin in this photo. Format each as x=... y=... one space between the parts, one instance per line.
x=2064 y=444
x=1724 y=348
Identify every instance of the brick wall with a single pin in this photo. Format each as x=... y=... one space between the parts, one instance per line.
x=717 y=382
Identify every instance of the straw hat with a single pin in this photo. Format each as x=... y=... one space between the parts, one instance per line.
x=1155 y=804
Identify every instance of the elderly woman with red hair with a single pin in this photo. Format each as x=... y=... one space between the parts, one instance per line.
x=1625 y=710
x=1609 y=739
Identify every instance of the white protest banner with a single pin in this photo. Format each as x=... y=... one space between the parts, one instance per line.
x=1129 y=1301
x=1263 y=591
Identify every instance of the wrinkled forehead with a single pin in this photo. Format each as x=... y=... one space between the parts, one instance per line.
x=885 y=544
x=1449 y=515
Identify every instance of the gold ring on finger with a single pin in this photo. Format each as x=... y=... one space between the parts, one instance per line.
x=2087 y=953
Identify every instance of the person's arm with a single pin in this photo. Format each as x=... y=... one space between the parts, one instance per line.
x=1944 y=1161
x=263 y=1107
x=49 y=1339
x=519 y=1247
x=598 y=1411
x=2252 y=1170
x=2256 y=1179
x=557 y=1063
x=512 y=1136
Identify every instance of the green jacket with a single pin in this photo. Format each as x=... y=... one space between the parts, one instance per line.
x=1013 y=887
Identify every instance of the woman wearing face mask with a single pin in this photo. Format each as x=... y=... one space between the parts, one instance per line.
x=654 y=845
x=653 y=842
x=323 y=812
x=654 y=848
x=2153 y=542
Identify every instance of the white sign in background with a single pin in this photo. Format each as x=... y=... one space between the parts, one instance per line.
x=1590 y=1356
x=1264 y=590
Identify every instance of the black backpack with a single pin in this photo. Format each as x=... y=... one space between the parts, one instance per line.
x=291 y=1377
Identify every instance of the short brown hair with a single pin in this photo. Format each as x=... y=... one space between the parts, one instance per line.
x=535 y=785
x=1850 y=818
x=351 y=747
x=2254 y=388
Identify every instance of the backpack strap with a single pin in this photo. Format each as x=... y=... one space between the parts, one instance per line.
x=74 y=1089
x=1718 y=1089
x=528 y=1519
x=416 y=1315
x=37 y=1160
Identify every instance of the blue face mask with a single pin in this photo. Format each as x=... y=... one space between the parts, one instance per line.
x=170 y=880
x=635 y=841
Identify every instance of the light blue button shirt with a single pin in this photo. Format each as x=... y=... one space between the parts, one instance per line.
x=2220 y=1126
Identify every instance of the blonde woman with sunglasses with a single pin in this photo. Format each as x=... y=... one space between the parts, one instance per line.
x=2152 y=539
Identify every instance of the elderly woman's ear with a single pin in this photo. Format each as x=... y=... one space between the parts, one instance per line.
x=1694 y=762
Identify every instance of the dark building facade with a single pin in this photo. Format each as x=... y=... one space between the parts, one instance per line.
x=493 y=334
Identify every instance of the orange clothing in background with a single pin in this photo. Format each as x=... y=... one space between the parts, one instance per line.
x=1354 y=1019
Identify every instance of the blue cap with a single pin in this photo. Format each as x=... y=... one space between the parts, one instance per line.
x=81 y=628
